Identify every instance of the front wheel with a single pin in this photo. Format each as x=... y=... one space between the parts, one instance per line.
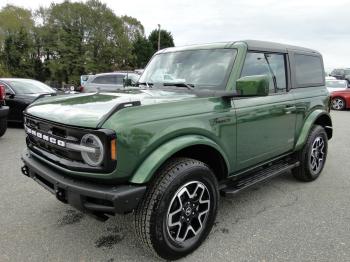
x=3 y=126
x=179 y=209
x=313 y=156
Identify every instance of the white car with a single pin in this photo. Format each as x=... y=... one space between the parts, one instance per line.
x=109 y=82
x=336 y=85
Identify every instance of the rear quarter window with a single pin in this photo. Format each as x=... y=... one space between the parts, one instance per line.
x=308 y=70
x=106 y=79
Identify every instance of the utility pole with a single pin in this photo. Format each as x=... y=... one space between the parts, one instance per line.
x=158 y=37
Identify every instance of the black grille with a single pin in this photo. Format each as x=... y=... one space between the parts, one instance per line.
x=57 y=151
x=59 y=133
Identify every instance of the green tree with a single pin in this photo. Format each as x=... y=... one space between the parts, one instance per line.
x=166 y=39
x=70 y=39
x=17 y=53
x=142 y=50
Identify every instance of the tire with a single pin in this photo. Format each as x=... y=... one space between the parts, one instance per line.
x=160 y=218
x=338 y=103
x=313 y=155
x=3 y=126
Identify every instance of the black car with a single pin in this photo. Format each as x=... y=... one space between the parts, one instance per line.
x=341 y=74
x=22 y=92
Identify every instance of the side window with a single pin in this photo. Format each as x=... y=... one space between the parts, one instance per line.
x=119 y=79
x=106 y=79
x=308 y=70
x=272 y=65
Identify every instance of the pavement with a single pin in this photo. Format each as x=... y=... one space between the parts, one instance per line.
x=282 y=220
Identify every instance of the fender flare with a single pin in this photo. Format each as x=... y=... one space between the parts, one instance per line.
x=308 y=123
x=158 y=157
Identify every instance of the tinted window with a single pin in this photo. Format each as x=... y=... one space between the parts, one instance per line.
x=28 y=86
x=272 y=65
x=107 y=79
x=119 y=79
x=308 y=70
x=337 y=72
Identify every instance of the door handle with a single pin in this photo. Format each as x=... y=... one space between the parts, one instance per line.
x=289 y=109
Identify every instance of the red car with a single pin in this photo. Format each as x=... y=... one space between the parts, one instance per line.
x=340 y=99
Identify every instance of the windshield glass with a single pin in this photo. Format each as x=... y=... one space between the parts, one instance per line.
x=207 y=69
x=336 y=83
x=27 y=86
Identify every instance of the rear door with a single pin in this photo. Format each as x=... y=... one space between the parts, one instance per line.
x=265 y=125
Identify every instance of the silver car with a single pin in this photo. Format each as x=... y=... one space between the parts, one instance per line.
x=109 y=82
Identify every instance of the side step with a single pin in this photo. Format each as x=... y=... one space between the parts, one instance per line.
x=236 y=186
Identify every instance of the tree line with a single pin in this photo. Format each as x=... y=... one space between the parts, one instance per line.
x=63 y=41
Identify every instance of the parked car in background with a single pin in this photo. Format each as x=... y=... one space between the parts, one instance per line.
x=341 y=74
x=3 y=111
x=340 y=99
x=84 y=79
x=109 y=82
x=336 y=85
x=22 y=92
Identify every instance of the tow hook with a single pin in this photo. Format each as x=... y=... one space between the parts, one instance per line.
x=25 y=171
x=60 y=195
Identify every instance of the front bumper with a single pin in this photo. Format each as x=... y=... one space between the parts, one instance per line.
x=4 y=110
x=89 y=197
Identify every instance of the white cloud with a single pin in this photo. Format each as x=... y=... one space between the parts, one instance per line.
x=320 y=25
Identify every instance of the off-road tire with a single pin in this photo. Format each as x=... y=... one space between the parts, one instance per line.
x=3 y=126
x=304 y=171
x=151 y=215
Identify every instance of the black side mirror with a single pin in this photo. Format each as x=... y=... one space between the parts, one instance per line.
x=10 y=94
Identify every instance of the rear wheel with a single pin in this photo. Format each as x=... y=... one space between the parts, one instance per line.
x=179 y=209
x=338 y=103
x=3 y=126
x=313 y=155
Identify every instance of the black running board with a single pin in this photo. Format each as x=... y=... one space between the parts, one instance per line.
x=236 y=186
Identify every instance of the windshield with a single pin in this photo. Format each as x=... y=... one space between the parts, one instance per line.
x=336 y=83
x=27 y=86
x=207 y=69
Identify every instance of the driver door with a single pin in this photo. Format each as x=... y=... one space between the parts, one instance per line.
x=265 y=125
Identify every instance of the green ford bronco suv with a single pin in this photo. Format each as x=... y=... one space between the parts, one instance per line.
x=204 y=121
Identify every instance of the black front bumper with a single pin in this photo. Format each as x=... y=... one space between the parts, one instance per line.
x=92 y=198
x=4 y=111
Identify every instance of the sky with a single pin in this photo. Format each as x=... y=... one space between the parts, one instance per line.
x=317 y=24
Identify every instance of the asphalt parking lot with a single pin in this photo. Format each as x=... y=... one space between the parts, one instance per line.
x=284 y=220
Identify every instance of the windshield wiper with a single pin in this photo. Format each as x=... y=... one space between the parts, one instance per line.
x=148 y=84
x=179 y=84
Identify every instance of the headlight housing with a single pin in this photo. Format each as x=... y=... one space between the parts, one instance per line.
x=95 y=156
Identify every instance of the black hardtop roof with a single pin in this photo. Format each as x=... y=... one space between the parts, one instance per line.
x=273 y=46
x=251 y=44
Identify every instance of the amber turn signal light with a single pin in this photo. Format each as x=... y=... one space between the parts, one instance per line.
x=114 y=149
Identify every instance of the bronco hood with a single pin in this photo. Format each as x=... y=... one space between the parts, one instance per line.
x=88 y=110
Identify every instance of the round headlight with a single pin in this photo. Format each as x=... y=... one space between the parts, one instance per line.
x=95 y=157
